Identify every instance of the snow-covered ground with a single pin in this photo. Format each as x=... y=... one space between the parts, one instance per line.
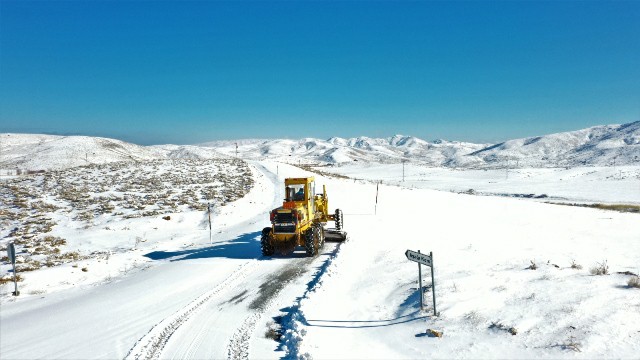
x=619 y=184
x=482 y=249
x=182 y=297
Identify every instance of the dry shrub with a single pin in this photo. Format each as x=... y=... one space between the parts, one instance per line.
x=600 y=269
x=575 y=266
x=634 y=282
x=9 y=279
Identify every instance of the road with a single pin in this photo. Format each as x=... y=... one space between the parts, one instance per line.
x=204 y=302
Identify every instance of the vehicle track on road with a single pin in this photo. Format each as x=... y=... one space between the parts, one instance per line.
x=238 y=346
x=151 y=345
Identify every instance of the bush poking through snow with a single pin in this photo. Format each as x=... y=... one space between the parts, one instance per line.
x=634 y=282
x=571 y=344
x=533 y=265
x=9 y=279
x=600 y=269
x=138 y=241
x=499 y=326
x=575 y=266
x=273 y=332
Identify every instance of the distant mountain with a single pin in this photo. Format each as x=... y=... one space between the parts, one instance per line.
x=339 y=150
x=599 y=145
x=596 y=146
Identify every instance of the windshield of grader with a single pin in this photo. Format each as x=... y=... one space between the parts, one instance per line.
x=295 y=192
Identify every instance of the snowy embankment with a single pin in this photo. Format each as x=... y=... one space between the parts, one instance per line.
x=366 y=303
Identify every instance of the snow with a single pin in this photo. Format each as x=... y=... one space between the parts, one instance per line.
x=482 y=247
x=580 y=184
x=606 y=145
x=178 y=295
x=45 y=152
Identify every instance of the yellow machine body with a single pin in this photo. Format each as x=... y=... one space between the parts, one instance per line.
x=301 y=219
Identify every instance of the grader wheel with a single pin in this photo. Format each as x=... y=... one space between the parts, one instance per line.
x=320 y=237
x=265 y=242
x=313 y=240
x=339 y=219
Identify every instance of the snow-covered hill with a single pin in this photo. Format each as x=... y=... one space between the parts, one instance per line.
x=600 y=145
x=606 y=145
x=597 y=146
x=41 y=152
x=339 y=150
x=47 y=152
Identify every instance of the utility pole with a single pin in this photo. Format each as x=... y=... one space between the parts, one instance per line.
x=403 y=161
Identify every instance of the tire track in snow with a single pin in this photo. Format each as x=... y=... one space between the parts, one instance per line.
x=151 y=345
x=238 y=346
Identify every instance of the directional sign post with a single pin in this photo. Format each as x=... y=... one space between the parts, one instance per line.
x=424 y=259
x=11 y=253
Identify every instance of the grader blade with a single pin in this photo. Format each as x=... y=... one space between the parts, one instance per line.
x=335 y=235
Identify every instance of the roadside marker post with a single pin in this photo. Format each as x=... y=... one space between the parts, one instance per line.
x=209 y=213
x=376 y=208
x=421 y=291
x=11 y=253
x=424 y=259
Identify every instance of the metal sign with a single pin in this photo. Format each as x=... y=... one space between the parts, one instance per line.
x=419 y=257
x=11 y=252
x=425 y=259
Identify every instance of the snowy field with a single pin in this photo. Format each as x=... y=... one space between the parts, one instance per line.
x=582 y=184
x=175 y=294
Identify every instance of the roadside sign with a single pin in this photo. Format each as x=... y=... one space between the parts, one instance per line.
x=419 y=257
x=424 y=259
x=11 y=253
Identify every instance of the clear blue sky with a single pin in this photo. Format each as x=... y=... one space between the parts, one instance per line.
x=155 y=72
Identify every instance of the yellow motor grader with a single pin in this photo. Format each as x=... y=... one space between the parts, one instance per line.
x=301 y=220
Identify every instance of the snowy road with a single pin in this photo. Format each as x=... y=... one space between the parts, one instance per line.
x=200 y=302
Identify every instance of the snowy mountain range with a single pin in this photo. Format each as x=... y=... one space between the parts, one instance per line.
x=599 y=145
x=596 y=146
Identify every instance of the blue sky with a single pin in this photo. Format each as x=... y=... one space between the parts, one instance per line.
x=156 y=72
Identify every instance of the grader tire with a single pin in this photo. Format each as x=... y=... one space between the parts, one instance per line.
x=313 y=240
x=320 y=237
x=339 y=219
x=265 y=242
x=309 y=244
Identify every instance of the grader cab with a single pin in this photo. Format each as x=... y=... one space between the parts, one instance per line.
x=301 y=220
